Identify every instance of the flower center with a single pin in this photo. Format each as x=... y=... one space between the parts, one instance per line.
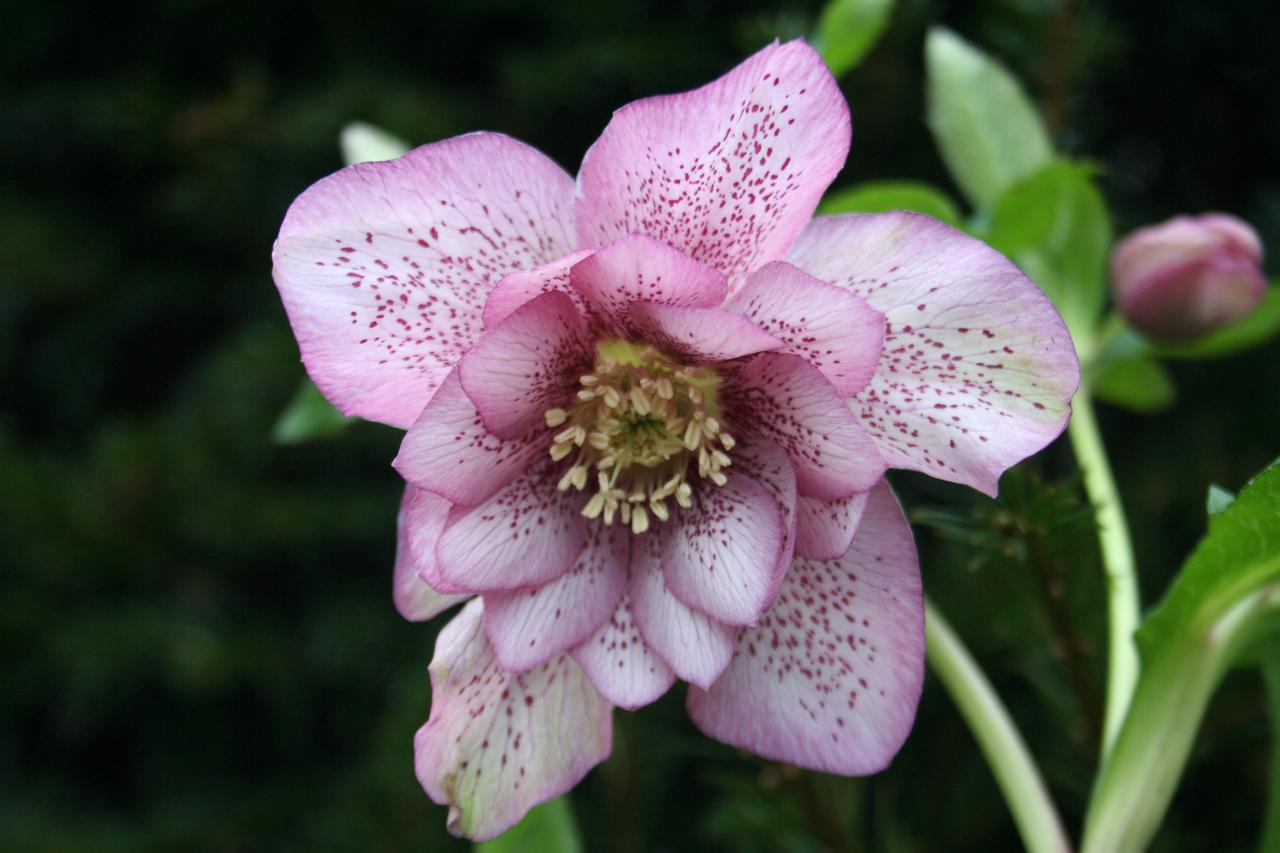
x=640 y=422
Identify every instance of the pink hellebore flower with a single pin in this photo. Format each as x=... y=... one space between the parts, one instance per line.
x=648 y=418
x=1188 y=276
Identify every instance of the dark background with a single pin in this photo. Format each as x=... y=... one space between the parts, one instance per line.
x=201 y=648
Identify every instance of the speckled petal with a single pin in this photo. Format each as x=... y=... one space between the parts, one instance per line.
x=526 y=364
x=528 y=533
x=834 y=330
x=698 y=335
x=639 y=268
x=824 y=529
x=528 y=626
x=695 y=646
x=728 y=173
x=769 y=465
x=413 y=596
x=978 y=369
x=449 y=451
x=721 y=555
x=523 y=286
x=621 y=665
x=497 y=743
x=384 y=267
x=830 y=678
x=786 y=400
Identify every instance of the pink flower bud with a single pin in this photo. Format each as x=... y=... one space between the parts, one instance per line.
x=1188 y=276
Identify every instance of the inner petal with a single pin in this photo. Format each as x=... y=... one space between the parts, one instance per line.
x=639 y=424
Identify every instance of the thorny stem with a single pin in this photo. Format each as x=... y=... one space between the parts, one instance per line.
x=1117 y=563
x=997 y=736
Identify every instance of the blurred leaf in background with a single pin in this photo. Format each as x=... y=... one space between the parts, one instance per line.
x=847 y=29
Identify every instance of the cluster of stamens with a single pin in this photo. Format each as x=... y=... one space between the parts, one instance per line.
x=638 y=424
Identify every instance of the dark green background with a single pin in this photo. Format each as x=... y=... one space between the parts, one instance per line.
x=201 y=652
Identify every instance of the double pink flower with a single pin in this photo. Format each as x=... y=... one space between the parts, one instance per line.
x=648 y=419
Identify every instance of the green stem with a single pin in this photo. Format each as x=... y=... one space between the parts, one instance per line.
x=1117 y=563
x=998 y=738
x=1139 y=777
x=1271 y=830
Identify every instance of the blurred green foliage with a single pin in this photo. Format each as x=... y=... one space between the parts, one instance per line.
x=204 y=652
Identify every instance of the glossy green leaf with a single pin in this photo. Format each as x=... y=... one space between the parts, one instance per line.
x=988 y=131
x=1218 y=499
x=1138 y=384
x=848 y=29
x=548 y=828
x=309 y=415
x=365 y=143
x=882 y=196
x=1258 y=328
x=1054 y=224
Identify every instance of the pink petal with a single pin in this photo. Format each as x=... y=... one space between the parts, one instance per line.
x=824 y=529
x=769 y=465
x=449 y=451
x=498 y=743
x=523 y=286
x=835 y=331
x=621 y=666
x=528 y=533
x=698 y=335
x=528 y=626
x=831 y=677
x=728 y=173
x=384 y=267
x=526 y=364
x=784 y=399
x=721 y=555
x=978 y=370
x=423 y=516
x=639 y=268
x=414 y=598
x=693 y=644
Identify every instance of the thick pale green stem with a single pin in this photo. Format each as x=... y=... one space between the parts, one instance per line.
x=1271 y=830
x=1117 y=563
x=997 y=736
x=1140 y=775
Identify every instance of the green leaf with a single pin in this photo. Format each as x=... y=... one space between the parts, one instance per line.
x=309 y=415
x=1239 y=555
x=1054 y=224
x=1258 y=328
x=1218 y=499
x=883 y=196
x=1138 y=384
x=848 y=29
x=548 y=828
x=987 y=129
x=365 y=143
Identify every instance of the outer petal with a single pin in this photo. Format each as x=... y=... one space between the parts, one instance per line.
x=526 y=364
x=528 y=533
x=824 y=529
x=639 y=268
x=978 y=370
x=384 y=267
x=835 y=331
x=414 y=598
x=528 y=626
x=784 y=399
x=449 y=451
x=523 y=286
x=694 y=645
x=721 y=556
x=831 y=677
x=769 y=465
x=423 y=516
x=728 y=173
x=699 y=335
x=499 y=743
x=621 y=666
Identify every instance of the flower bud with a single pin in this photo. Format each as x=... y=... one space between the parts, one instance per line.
x=1188 y=276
